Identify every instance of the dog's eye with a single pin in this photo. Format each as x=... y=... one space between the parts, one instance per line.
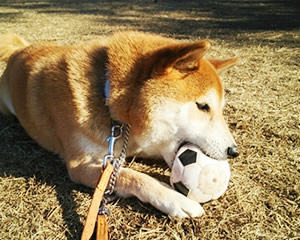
x=203 y=107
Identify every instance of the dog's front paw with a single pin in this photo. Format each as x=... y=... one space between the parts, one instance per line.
x=173 y=203
x=158 y=194
x=177 y=205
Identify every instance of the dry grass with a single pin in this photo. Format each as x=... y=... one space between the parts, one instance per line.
x=38 y=201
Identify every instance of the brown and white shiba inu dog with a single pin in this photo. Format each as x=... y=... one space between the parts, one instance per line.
x=165 y=89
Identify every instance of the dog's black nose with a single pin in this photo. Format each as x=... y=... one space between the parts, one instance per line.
x=233 y=152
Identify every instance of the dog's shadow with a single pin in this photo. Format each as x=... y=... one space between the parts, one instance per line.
x=20 y=156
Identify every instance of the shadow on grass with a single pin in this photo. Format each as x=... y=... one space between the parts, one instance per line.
x=202 y=18
x=20 y=156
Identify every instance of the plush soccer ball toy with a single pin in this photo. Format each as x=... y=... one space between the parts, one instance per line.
x=198 y=176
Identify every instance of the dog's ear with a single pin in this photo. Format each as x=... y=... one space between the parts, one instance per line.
x=182 y=57
x=187 y=60
x=223 y=65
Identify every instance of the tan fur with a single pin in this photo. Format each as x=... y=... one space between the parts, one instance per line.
x=57 y=95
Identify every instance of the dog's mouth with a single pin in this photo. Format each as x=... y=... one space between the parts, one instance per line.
x=185 y=142
x=182 y=143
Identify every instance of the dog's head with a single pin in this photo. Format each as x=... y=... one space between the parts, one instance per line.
x=178 y=97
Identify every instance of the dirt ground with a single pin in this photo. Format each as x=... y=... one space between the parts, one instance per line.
x=37 y=199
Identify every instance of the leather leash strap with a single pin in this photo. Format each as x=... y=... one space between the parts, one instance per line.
x=89 y=226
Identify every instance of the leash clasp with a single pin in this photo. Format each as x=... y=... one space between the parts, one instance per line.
x=115 y=133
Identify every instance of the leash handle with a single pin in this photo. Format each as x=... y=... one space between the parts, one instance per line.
x=89 y=226
x=102 y=232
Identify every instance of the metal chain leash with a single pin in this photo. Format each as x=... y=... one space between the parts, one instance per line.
x=117 y=162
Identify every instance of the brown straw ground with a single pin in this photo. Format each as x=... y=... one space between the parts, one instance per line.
x=37 y=199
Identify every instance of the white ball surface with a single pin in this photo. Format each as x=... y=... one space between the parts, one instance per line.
x=198 y=176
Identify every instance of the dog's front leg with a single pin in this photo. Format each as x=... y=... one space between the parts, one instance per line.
x=158 y=194
x=85 y=169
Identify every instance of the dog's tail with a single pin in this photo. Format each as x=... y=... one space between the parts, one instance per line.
x=9 y=43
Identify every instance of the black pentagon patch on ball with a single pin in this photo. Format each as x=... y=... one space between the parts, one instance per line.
x=181 y=188
x=188 y=157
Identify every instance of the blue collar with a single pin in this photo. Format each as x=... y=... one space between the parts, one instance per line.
x=107 y=88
